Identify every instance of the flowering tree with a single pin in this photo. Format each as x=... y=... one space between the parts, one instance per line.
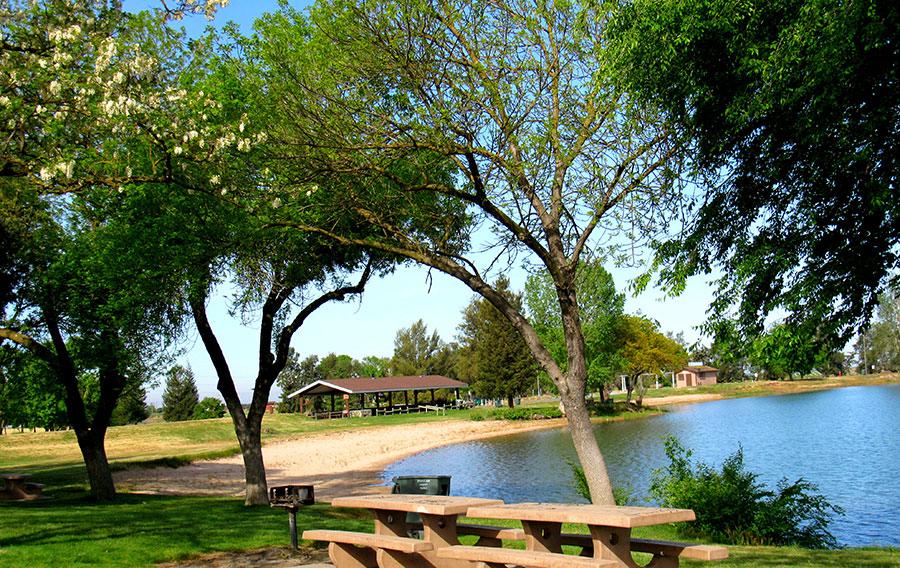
x=547 y=153
x=94 y=101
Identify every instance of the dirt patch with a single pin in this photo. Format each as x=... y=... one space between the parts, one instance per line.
x=263 y=558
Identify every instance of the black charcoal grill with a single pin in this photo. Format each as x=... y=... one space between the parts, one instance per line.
x=292 y=497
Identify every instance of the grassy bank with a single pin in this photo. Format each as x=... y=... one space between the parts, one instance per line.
x=179 y=441
x=770 y=388
x=144 y=530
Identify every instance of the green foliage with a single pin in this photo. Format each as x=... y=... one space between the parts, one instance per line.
x=647 y=351
x=517 y=413
x=878 y=346
x=209 y=407
x=600 y=308
x=496 y=360
x=180 y=397
x=623 y=495
x=30 y=395
x=788 y=110
x=132 y=406
x=732 y=506
x=416 y=352
x=785 y=351
x=295 y=375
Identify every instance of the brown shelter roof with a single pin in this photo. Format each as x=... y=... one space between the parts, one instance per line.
x=700 y=369
x=368 y=385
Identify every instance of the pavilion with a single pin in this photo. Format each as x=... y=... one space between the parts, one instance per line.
x=378 y=388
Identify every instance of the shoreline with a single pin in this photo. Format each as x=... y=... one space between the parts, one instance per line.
x=349 y=462
x=339 y=463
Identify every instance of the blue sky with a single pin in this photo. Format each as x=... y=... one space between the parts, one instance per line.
x=367 y=325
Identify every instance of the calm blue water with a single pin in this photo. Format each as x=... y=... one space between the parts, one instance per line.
x=846 y=441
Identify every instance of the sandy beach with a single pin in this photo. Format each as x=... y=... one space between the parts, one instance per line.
x=336 y=463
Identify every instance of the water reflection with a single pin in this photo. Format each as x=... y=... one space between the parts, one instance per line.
x=844 y=440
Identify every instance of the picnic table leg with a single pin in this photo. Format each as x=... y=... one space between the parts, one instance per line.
x=350 y=556
x=615 y=544
x=440 y=530
x=391 y=523
x=542 y=536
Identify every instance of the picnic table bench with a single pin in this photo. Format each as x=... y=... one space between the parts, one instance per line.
x=17 y=487
x=609 y=544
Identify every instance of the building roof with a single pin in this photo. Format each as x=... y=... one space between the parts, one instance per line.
x=700 y=369
x=368 y=385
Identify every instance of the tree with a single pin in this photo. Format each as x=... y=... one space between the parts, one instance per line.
x=601 y=309
x=180 y=397
x=296 y=375
x=545 y=150
x=416 y=352
x=647 y=351
x=501 y=365
x=879 y=346
x=90 y=101
x=781 y=352
x=132 y=406
x=787 y=110
x=209 y=407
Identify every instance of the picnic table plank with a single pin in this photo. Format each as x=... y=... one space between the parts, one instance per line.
x=610 y=516
x=442 y=505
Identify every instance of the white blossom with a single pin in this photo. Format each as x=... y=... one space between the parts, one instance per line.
x=177 y=150
x=215 y=180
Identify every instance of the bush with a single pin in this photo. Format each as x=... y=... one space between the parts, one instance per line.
x=733 y=507
x=209 y=407
x=518 y=413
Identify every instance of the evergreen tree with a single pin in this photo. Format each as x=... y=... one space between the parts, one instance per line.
x=132 y=406
x=499 y=363
x=416 y=352
x=180 y=397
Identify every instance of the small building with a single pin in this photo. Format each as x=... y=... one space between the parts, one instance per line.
x=695 y=376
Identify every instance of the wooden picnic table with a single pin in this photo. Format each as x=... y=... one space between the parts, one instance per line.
x=609 y=543
x=390 y=546
x=17 y=487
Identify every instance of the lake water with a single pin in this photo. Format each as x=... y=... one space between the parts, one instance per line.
x=846 y=441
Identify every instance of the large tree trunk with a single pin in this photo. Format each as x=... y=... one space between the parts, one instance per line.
x=250 y=440
x=93 y=450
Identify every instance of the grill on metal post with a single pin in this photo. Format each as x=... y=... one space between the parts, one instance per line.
x=292 y=497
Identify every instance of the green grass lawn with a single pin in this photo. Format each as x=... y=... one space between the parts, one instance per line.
x=142 y=530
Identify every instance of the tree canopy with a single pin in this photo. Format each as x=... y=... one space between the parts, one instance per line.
x=787 y=111
x=502 y=114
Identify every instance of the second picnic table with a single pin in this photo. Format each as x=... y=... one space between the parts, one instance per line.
x=609 y=543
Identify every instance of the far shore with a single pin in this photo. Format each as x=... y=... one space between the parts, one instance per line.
x=349 y=462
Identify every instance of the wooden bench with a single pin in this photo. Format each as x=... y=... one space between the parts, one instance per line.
x=656 y=547
x=498 y=557
x=362 y=550
x=489 y=535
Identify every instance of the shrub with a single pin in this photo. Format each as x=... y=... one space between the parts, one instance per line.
x=209 y=407
x=518 y=413
x=622 y=495
x=732 y=506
